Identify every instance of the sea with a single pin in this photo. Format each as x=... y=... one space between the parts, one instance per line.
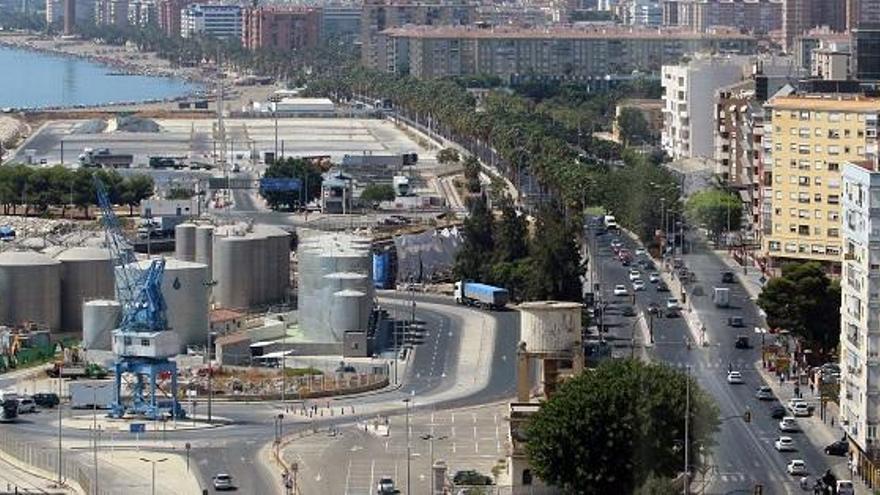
x=30 y=79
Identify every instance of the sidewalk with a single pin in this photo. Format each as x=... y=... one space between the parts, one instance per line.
x=16 y=475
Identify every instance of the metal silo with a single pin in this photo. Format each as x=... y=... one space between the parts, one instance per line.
x=185 y=242
x=232 y=271
x=100 y=318
x=30 y=289
x=205 y=247
x=345 y=313
x=86 y=274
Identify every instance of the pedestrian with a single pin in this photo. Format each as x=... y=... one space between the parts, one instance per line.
x=811 y=388
x=780 y=379
x=797 y=391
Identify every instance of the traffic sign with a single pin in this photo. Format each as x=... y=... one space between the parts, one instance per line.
x=137 y=428
x=283 y=184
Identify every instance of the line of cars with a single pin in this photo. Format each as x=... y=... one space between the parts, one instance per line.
x=12 y=404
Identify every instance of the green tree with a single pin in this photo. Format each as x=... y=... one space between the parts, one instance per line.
x=180 y=193
x=448 y=155
x=304 y=170
x=137 y=188
x=657 y=485
x=804 y=301
x=555 y=258
x=472 y=174
x=606 y=430
x=718 y=211
x=374 y=193
x=633 y=127
x=474 y=259
x=511 y=233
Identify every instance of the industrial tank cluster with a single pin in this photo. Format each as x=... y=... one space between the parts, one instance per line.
x=335 y=285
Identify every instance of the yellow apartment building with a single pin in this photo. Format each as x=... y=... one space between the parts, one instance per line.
x=812 y=136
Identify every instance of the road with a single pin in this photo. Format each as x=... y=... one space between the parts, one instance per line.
x=744 y=455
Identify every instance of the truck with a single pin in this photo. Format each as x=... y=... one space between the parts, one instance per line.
x=159 y=227
x=91 y=394
x=163 y=162
x=8 y=406
x=610 y=222
x=72 y=364
x=482 y=295
x=104 y=158
x=721 y=297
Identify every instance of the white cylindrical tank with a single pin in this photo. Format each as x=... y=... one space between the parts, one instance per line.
x=185 y=242
x=30 y=289
x=347 y=312
x=86 y=274
x=232 y=271
x=550 y=326
x=205 y=247
x=100 y=318
x=186 y=294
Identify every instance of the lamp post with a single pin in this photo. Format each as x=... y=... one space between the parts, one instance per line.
x=153 y=465
x=95 y=432
x=60 y=455
x=430 y=438
x=210 y=286
x=687 y=414
x=408 y=449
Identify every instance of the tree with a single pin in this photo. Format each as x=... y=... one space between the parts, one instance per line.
x=137 y=188
x=448 y=155
x=472 y=174
x=375 y=193
x=607 y=430
x=656 y=485
x=555 y=259
x=805 y=302
x=180 y=193
x=719 y=211
x=473 y=260
x=511 y=233
x=633 y=127
x=305 y=171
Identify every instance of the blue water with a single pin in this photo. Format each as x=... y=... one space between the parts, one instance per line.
x=30 y=80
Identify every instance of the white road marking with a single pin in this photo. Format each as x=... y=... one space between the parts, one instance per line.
x=348 y=477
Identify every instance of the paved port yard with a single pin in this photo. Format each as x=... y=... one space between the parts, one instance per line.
x=194 y=139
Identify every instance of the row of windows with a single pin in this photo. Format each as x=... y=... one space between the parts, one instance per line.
x=804 y=164
x=804 y=149
x=804 y=132
x=801 y=229
x=832 y=216
x=804 y=180
x=793 y=247
x=806 y=115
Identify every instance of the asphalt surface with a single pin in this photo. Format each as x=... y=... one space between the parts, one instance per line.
x=743 y=455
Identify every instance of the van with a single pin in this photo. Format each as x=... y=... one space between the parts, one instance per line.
x=610 y=222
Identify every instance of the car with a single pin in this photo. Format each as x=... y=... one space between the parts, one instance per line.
x=742 y=342
x=789 y=425
x=471 y=477
x=839 y=448
x=641 y=252
x=734 y=377
x=634 y=275
x=778 y=412
x=223 y=481
x=801 y=410
x=764 y=393
x=653 y=308
x=784 y=444
x=672 y=303
x=796 y=467
x=46 y=399
x=662 y=287
x=736 y=321
x=794 y=401
x=727 y=278
x=616 y=244
x=620 y=290
x=627 y=310
x=845 y=487
x=26 y=404
x=638 y=284
x=654 y=278
x=385 y=486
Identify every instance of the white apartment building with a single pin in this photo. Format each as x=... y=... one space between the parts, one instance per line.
x=219 y=21
x=860 y=313
x=689 y=102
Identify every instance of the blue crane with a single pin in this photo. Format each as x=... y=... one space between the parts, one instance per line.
x=143 y=342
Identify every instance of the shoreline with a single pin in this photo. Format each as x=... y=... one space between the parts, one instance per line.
x=91 y=52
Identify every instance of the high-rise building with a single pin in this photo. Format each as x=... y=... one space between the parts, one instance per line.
x=832 y=62
x=341 y=23
x=278 y=27
x=83 y=12
x=862 y=13
x=813 y=135
x=866 y=48
x=799 y=16
x=859 y=381
x=168 y=14
x=217 y=20
x=759 y=16
x=142 y=13
x=379 y=15
x=111 y=12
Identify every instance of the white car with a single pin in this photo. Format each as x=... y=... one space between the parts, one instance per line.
x=223 y=481
x=734 y=377
x=672 y=303
x=764 y=393
x=641 y=252
x=796 y=467
x=616 y=243
x=654 y=277
x=784 y=444
x=789 y=425
x=634 y=274
x=620 y=290
x=801 y=410
x=845 y=487
x=26 y=404
x=385 y=486
x=638 y=284
x=794 y=401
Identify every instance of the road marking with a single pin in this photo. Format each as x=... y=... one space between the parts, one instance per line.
x=348 y=477
x=475 y=432
x=372 y=472
x=453 y=447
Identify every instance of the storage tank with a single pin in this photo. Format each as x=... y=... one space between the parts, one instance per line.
x=186 y=294
x=100 y=318
x=347 y=312
x=205 y=247
x=549 y=326
x=30 y=289
x=185 y=242
x=232 y=271
x=86 y=274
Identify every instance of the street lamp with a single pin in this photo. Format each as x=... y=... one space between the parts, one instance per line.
x=430 y=438
x=408 y=448
x=153 y=463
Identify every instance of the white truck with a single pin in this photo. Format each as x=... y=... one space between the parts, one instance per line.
x=721 y=297
x=88 y=394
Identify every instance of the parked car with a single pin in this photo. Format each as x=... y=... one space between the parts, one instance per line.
x=620 y=290
x=471 y=477
x=845 y=487
x=727 y=278
x=778 y=412
x=796 y=467
x=654 y=308
x=662 y=287
x=223 y=481
x=26 y=404
x=789 y=425
x=672 y=303
x=654 y=278
x=638 y=284
x=641 y=252
x=764 y=393
x=736 y=321
x=784 y=444
x=742 y=342
x=839 y=448
x=46 y=399
x=734 y=378
x=801 y=410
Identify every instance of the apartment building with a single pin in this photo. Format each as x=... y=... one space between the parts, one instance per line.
x=758 y=16
x=83 y=11
x=860 y=317
x=278 y=27
x=831 y=63
x=142 y=13
x=341 y=23
x=641 y=13
x=813 y=135
x=111 y=12
x=217 y=20
x=800 y=16
x=559 y=53
x=380 y=15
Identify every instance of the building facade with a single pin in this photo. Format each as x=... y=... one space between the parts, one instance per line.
x=556 y=53
x=111 y=12
x=758 y=16
x=341 y=24
x=800 y=16
x=860 y=317
x=831 y=63
x=813 y=135
x=142 y=13
x=285 y=28
x=219 y=21
x=83 y=11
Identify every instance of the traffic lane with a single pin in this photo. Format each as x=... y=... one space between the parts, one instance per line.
x=243 y=463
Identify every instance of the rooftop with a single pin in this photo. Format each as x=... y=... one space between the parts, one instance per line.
x=221 y=315
x=561 y=32
x=830 y=102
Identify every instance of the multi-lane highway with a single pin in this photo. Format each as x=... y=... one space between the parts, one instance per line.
x=743 y=455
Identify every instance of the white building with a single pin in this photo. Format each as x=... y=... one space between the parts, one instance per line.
x=860 y=312
x=642 y=13
x=84 y=10
x=688 y=98
x=219 y=21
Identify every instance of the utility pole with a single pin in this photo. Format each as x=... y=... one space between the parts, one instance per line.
x=95 y=450
x=153 y=463
x=408 y=451
x=687 y=413
x=60 y=456
x=430 y=438
x=210 y=286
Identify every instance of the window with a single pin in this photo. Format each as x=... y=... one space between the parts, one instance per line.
x=804 y=149
x=833 y=183
x=817 y=214
x=818 y=132
x=792 y=163
x=817 y=197
x=126 y=340
x=833 y=133
x=817 y=180
x=804 y=132
x=792 y=212
x=792 y=228
x=846 y=133
x=779 y=197
x=834 y=117
x=833 y=216
x=834 y=150
x=833 y=199
x=145 y=342
x=777 y=211
x=833 y=167
x=803 y=180
x=805 y=115
x=818 y=165
x=803 y=213
x=792 y=179
x=792 y=196
x=817 y=148
x=793 y=131
x=773 y=245
x=804 y=198
x=804 y=165
x=834 y=232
